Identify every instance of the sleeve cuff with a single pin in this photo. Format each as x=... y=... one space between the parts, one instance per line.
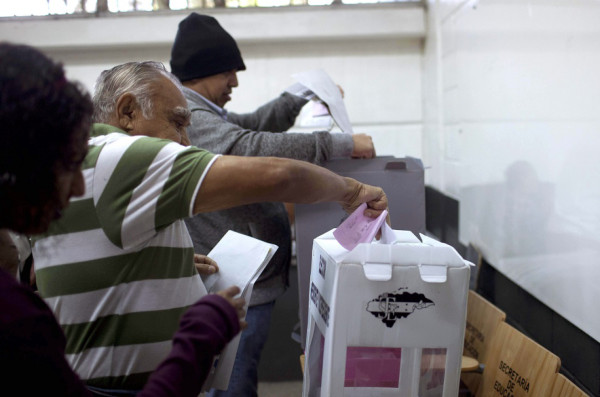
x=227 y=311
x=301 y=91
x=342 y=145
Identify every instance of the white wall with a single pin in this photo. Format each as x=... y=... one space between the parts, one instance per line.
x=504 y=96
x=373 y=52
x=512 y=130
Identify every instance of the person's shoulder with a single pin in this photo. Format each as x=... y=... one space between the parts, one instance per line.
x=107 y=152
x=109 y=138
x=17 y=301
x=198 y=106
x=9 y=285
x=113 y=145
x=193 y=99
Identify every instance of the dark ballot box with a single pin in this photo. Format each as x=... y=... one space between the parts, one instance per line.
x=403 y=181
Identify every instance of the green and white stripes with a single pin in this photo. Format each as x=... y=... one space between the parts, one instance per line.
x=117 y=269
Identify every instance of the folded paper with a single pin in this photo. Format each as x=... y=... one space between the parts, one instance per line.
x=358 y=228
x=241 y=260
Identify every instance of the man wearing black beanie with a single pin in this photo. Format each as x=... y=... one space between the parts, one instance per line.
x=203 y=48
x=206 y=59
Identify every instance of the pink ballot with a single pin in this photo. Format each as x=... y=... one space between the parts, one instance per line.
x=358 y=228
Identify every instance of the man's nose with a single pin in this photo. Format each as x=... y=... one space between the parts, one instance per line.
x=233 y=81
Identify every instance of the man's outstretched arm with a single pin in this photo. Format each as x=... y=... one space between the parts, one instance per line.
x=232 y=181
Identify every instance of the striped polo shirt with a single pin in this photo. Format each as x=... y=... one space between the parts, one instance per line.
x=117 y=269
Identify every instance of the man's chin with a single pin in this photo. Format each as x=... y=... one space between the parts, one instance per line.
x=224 y=100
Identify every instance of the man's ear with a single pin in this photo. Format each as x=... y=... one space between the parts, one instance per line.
x=128 y=110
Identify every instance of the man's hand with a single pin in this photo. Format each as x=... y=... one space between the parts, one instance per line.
x=374 y=197
x=237 y=303
x=205 y=265
x=363 y=146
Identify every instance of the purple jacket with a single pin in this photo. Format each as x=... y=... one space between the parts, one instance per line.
x=32 y=347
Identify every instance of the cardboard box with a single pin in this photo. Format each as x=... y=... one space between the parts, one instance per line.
x=385 y=320
x=403 y=181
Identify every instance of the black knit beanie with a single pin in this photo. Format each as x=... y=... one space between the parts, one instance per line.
x=203 y=48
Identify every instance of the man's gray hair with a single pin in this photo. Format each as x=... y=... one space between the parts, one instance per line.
x=135 y=78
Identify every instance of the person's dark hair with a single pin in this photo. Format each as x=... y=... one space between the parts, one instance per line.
x=44 y=121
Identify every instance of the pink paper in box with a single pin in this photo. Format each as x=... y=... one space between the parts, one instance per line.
x=372 y=366
x=358 y=228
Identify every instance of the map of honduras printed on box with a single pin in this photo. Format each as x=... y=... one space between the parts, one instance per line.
x=389 y=306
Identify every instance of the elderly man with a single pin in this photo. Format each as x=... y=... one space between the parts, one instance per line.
x=118 y=268
x=206 y=59
x=46 y=121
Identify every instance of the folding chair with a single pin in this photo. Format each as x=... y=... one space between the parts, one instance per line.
x=517 y=366
x=482 y=321
x=563 y=387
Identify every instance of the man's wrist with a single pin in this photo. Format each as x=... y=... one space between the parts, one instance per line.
x=342 y=145
x=351 y=193
x=301 y=91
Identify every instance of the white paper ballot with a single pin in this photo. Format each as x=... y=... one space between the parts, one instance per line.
x=319 y=82
x=241 y=260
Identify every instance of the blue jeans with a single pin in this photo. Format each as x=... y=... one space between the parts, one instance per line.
x=244 y=376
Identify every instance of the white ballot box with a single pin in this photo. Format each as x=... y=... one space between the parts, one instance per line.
x=385 y=319
x=403 y=180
